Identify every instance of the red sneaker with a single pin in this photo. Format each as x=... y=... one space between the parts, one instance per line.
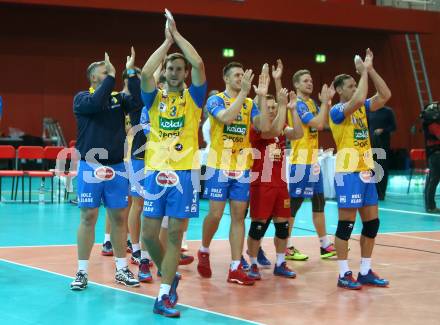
x=240 y=277
x=204 y=267
x=186 y=259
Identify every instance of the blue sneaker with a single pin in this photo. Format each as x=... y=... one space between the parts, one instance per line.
x=372 y=279
x=144 y=273
x=348 y=282
x=284 y=271
x=244 y=264
x=163 y=307
x=262 y=259
x=254 y=272
x=173 y=290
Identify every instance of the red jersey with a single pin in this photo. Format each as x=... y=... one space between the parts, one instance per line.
x=270 y=167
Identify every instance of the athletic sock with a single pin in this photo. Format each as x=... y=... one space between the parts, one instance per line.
x=235 y=265
x=325 y=242
x=343 y=267
x=204 y=249
x=365 y=265
x=136 y=247
x=281 y=258
x=83 y=265
x=163 y=290
x=145 y=254
x=121 y=262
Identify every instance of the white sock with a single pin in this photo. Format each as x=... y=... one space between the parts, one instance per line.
x=144 y=255
x=128 y=237
x=253 y=260
x=325 y=242
x=204 y=249
x=235 y=265
x=83 y=265
x=121 y=262
x=163 y=290
x=136 y=247
x=184 y=243
x=365 y=265
x=106 y=238
x=290 y=242
x=343 y=267
x=280 y=258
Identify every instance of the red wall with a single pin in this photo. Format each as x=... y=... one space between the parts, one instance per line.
x=44 y=53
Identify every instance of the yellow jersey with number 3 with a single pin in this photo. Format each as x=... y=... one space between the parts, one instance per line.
x=174 y=124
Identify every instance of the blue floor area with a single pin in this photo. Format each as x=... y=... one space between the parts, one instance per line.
x=42 y=298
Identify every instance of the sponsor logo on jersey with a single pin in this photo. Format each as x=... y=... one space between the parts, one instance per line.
x=235 y=129
x=171 y=124
x=104 y=173
x=167 y=179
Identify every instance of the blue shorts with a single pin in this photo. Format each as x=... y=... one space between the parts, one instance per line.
x=98 y=183
x=355 y=190
x=136 y=175
x=305 y=180
x=172 y=193
x=221 y=185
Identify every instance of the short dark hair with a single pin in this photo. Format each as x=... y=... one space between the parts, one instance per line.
x=297 y=75
x=231 y=65
x=269 y=97
x=162 y=79
x=175 y=56
x=339 y=80
x=125 y=74
x=92 y=67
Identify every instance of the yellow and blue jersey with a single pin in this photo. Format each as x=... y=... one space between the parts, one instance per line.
x=352 y=139
x=174 y=123
x=305 y=149
x=230 y=148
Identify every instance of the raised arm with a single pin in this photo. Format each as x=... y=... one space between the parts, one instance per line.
x=320 y=120
x=261 y=121
x=295 y=132
x=148 y=83
x=383 y=93
x=360 y=94
x=198 y=76
x=227 y=116
x=277 y=74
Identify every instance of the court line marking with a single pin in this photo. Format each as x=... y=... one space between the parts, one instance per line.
x=400 y=211
x=130 y=292
x=414 y=237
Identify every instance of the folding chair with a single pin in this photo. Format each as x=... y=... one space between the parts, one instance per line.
x=8 y=153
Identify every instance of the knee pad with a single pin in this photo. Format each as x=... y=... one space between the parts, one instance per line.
x=318 y=202
x=256 y=231
x=344 y=229
x=295 y=204
x=370 y=228
x=281 y=229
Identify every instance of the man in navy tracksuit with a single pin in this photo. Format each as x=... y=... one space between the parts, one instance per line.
x=100 y=115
